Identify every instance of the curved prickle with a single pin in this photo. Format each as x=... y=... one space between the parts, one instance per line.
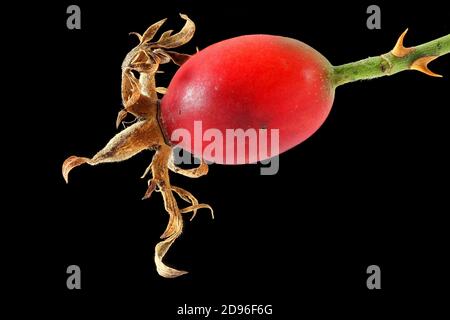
x=399 y=49
x=421 y=64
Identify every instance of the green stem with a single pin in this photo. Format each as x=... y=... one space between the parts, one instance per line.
x=388 y=64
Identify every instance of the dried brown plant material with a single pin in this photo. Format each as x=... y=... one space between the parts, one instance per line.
x=139 y=97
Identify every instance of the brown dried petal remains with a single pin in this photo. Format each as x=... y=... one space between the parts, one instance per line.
x=140 y=98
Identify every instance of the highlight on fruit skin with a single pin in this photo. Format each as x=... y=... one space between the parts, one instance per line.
x=229 y=85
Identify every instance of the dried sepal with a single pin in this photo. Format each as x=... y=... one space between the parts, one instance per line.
x=160 y=182
x=194 y=209
x=175 y=223
x=130 y=86
x=140 y=57
x=161 y=90
x=188 y=197
x=180 y=38
x=151 y=187
x=122 y=146
x=132 y=140
x=139 y=97
x=145 y=59
x=178 y=58
x=120 y=117
x=161 y=56
x=160 y=251
x=174 y=229
x=138 y=35
x=151 y=31
x=165 y=35
x=166 y=56
x=70 y=163
x=196 y=172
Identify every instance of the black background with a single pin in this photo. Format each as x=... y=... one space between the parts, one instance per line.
x=370 y=187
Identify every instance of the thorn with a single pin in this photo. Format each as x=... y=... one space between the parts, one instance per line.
x=399 y=50
x=421 y=65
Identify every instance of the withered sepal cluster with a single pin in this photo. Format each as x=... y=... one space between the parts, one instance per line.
x=140 y=98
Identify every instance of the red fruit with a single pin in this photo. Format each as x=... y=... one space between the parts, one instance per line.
x=254 y=81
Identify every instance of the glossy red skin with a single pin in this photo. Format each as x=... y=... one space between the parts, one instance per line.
x=253 y=81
